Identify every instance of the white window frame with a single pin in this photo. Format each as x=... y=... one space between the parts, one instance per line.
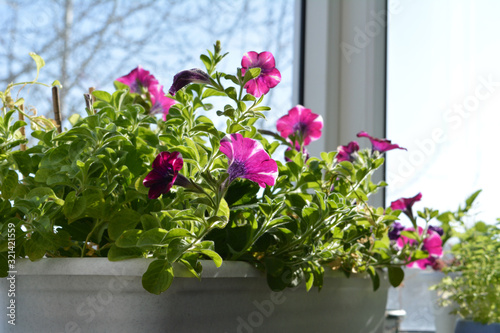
x=344 y=69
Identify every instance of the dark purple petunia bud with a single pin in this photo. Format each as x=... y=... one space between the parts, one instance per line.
x=395 y=231
x=439 y=230
x=186 y=77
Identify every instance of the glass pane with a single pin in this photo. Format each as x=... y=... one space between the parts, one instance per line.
x=444 y=102
x=91 y=43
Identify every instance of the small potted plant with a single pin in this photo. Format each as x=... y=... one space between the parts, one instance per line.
x=147 y=177
x=472 y=285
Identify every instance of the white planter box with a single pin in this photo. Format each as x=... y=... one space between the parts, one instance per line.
x=95 y=295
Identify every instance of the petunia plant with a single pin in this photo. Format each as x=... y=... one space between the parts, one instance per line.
x=425 y=241
x=148 y=175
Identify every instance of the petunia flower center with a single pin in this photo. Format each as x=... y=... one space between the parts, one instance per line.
x=300 y=127
x=236 y=169
x=135 y=86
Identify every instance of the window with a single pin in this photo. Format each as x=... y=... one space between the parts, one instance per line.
x=90 y=43
x=443 y=102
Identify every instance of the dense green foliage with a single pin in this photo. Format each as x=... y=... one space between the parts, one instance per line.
x=472 y=284
x=80 y=193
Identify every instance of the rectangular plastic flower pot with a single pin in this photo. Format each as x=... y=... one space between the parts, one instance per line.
x=96 y=295
x=467 y=326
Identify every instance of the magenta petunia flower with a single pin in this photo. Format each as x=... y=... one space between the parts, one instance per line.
x=248 y=159
x=432 y=243
x=166 y=166
x=406 y=204
x=269 y=75
x=139 y=80
x=346 y=153
x=159 y=102
x=380 y=145
x=302 y=123
x=183 y=78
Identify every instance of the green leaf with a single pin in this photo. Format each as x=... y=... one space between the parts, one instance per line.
x=470 y=200
x=261 y=108
x=309 y=278
x=44 y=193
x=149 y=136
x=206 y=61
x=95 y=204
x=123 y=220
x=378 y=162
x=396 y=276
x=17 y=125
x=375 y=277
x=233 y=78
x=9 y=184
x=212 y=92
x=117 y=253
x=23 y=162
x=281 y=281
x=34 y=249
x=419 y=254
x=149 y=222
x=409 y=234
x=223 y=209
x=212 y=255
x=129 y=238
x=242 y=192
x=153 y=237
x=74 y=118
x=274 y=266
x=73 y=206
x=158 y=277
x=102 y=95
x=39 y=63
x=56 y=83
x=231 y=93
x=251 y=73
x=176 y=249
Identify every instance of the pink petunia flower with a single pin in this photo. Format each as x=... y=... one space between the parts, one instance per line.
x=269 y=75
x=166 y=167
x=346 y=153
x=406 y=204
x=432 y=243
x=248 y=159
x=159 y=102
x=185 y=77
x=380 y=145
x=139 y=80
x=302 y=123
